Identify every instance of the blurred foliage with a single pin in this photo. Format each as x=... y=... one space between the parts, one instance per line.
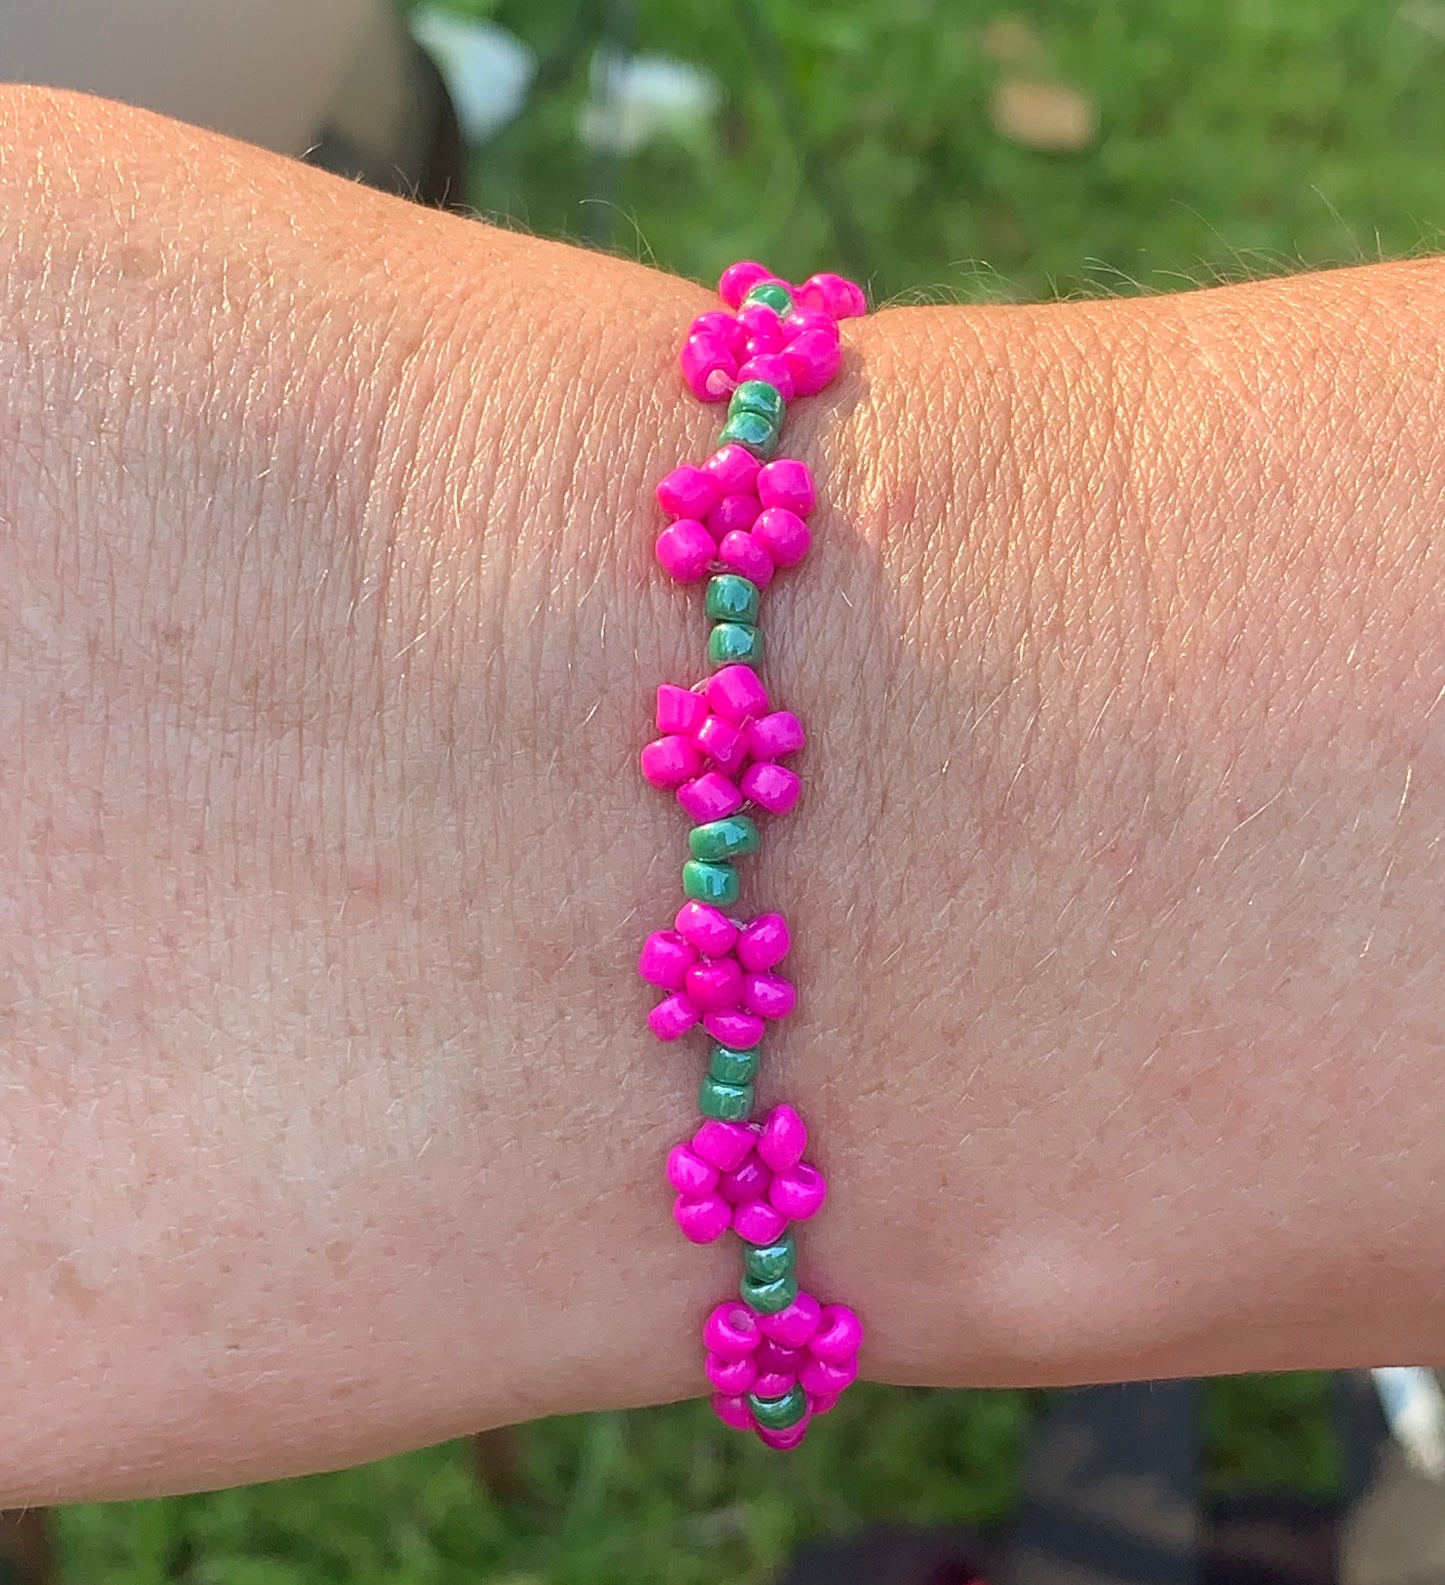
x=1234 y=137
x=652 y=1497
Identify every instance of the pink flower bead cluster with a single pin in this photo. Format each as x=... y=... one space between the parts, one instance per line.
x=798 y=352
x=809 y=1346
x=776 y=1356
x=719 y=974
x=735 y=514
x=750 y=1177
x=720 y=748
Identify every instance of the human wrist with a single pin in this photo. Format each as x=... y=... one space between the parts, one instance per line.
x=1111 y=919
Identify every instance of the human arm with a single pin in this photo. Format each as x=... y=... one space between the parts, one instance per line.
x=328 y=627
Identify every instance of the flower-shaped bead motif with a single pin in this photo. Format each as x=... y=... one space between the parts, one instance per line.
x=719 y=973
x=750 y=1177
x=772 y=1373
x=735 y=514
x=721 y=745
x=784 y=334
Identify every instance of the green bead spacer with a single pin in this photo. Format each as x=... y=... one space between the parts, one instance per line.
x=735 y=644
x=779 y=1414
x=751 y=431
x=768 y=1262
x=710 y=883
x=757 y=396
x=727 y=838
x=774 y=294
x=767 y=1298
x=729 y=1103
x=733 y=599
x=733 y=1067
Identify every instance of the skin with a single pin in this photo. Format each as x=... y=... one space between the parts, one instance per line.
x=328 y=629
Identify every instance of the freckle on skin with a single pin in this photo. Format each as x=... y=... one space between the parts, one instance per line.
x=67 y=1287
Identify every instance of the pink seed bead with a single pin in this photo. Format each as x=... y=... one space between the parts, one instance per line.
x=798 y=1192
x=784 y=535
x=821 y=1377
x=839 y=1335
x=765 y=333
x=732 y=514
x=688 y=492
x=725 y=328
x=802 y=319
x=736 y=470
x=813 y=357
x=717 y=985
x=794 y=1326
x=820 y=1403
x=710 y=796
x=772 y=736
x=670 y=761
x=783 y=1140
x=772 y=787
x=731 y=1330
x=788 y=483
x=784 y=1441
x=721 y=741
x=671 y=1020
x=685 y=550
x=739 y=552
x=739 y=1030
x=710 y=366
x=767 y=995
x=736 y=693
x=764 y=942
x=747 y=1182
x=758 y=1223
x=702 y=1218
x=665 y=959
x=833 y=295
x=773 y=1384
x=771 y=1356
x=706 y=928
x=731 y=1376
x=733 y=1411
x=679 y=709
x=723 y=1145
x=689 y=1174
x=772 y=368
x=738 y=280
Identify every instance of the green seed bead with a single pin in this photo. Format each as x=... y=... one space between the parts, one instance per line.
x=757 y=396
x=727 y=838
x=768 y=1262
x=729 y=1103
x=733 y=599
x=779 y=1414
x=735 y=643
x=767 y=1298
x=752 y=431
x=711 y=883
x=733 y=1067
x=774 y=294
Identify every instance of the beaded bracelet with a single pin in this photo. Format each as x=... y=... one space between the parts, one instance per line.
x=778 y=1357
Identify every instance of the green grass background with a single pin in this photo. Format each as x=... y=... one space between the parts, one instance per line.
x=1235 y=137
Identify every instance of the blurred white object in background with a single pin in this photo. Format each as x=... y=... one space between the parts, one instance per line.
x=636 y=98
x=340 y=82
x=267 y=71
x=487 y=70
x=1415 y=1410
